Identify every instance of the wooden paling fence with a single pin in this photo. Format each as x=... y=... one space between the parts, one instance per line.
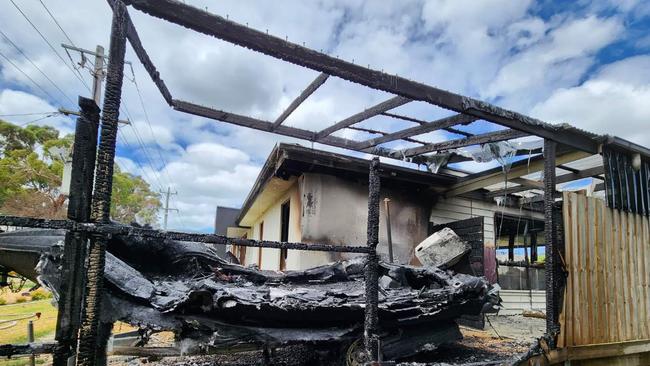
x=607 y=257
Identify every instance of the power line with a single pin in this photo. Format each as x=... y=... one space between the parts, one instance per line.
x=36 y=66
x=23 y=124
x=146 y=118
x=142 y=170
x=141 y=143
x=78 y=76
x=56 y=22
x=27 y=114
x=27 y=76
x=38 y=119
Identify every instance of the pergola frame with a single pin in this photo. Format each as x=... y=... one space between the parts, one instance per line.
x=562 y=144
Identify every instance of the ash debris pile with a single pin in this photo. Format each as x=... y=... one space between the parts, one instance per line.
x=186 y=288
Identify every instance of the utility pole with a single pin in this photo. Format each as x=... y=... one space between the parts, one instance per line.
x=166 y=208
x=98 y=74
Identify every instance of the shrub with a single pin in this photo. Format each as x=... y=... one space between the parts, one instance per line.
x=3 y=301
x=40 y=294
x=21 y=299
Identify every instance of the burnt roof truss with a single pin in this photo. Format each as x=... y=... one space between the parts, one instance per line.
x=467 y=110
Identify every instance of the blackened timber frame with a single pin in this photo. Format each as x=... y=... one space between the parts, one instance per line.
x=311 y=88
x=232 y=32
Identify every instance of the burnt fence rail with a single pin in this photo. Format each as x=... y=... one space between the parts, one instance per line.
x=113 y=229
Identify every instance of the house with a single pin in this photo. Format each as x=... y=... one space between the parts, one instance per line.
x=313 y=196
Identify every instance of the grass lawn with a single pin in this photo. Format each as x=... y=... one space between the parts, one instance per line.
x=43 y=327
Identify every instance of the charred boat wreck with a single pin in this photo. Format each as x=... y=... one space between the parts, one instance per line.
x=186 y=288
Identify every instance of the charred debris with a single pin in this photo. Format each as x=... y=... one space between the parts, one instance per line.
x=208 y=302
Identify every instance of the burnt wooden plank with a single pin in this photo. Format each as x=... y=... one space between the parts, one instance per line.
x=222 y=28
x=384 y=106
x=134 y=39
x=468 y=141
x=422 y=122
x=311 y=88
x=369 y=130
x=418 y=130
x=261 y=125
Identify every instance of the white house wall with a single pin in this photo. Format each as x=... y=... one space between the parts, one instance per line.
x=272 y=228
x=335 y=211
x=454 y=209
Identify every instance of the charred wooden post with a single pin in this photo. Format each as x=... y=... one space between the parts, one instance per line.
x=551 y=229
x=74 y=250
x=89 y=347
x=371 y=339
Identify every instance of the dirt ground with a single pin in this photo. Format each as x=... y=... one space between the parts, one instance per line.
x=503 y=339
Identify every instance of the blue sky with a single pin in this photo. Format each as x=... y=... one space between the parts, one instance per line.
x=582 y=62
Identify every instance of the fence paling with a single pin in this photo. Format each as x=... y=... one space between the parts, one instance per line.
x=608 y=262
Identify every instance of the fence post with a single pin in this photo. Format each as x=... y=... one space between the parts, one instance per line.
x=30 y=339
x=371 y=339
x=74 y=250
x=89 y=347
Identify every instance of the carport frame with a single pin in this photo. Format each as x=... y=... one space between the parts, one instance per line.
x=578 y=142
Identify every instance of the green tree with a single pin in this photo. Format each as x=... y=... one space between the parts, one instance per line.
x=30 y=177
x=133 y=200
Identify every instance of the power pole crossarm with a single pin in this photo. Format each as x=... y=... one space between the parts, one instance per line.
x=69 y=112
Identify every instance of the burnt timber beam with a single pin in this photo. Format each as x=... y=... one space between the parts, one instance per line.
x=384 y=106
x=368 y=130
x=568 y=168
x=311 y=88
x=518 y=169
x=564 y=178
x=418 y=130
x=267 y=126
x=204 y=22
x=528 y=183
x=9 y=350
x=141 y=53
x=596 y=175
x=110 y=229
x=468 y=141
x=508 y=191
x=422 y=122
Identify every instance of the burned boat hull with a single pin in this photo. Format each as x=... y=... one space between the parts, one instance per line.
x=187 y=288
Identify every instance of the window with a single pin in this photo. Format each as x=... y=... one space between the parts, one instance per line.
x=284 y=233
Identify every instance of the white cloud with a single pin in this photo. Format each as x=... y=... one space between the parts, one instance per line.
x=614 y=101
x=495 y=49
x=560 y=59
x=13 y=102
